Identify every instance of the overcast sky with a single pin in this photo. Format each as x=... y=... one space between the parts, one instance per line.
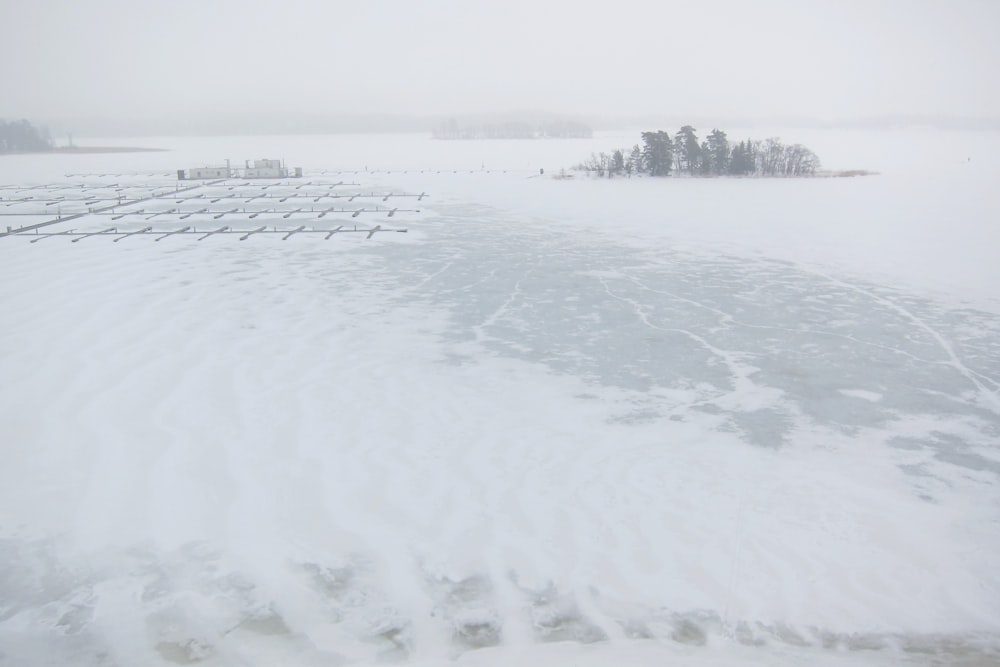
x=821 y=59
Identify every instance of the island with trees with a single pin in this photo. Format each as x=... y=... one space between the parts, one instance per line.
x=20 y=136
x=661 y=154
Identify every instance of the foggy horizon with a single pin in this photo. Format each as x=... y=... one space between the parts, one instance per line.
x=112 y=67
x=292 y=123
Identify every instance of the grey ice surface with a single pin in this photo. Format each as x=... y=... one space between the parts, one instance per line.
x=834 y=351
x=762 y=345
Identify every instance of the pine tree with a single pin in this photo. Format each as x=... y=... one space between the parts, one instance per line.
x=635 y=159
x=688 y=149
x=657 y=154
x=705 y=162
x=618 y=161
x=717 y=152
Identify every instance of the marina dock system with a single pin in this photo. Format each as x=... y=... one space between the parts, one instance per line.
x=155 y=206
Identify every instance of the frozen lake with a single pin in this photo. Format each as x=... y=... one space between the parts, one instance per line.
x=716 y=421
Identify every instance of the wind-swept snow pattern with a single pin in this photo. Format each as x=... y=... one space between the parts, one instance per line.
x=498 y=437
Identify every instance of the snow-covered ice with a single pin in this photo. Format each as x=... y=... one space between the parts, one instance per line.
x=585 y=422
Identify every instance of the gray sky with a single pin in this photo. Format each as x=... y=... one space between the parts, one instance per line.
x=120 y=59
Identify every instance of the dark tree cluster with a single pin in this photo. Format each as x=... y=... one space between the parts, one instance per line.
x=450 y=129
x=22 y=136
x=565 y=129
x=683 y=153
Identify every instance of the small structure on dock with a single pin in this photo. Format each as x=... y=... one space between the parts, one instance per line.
x=196 y=173
x=265 y=168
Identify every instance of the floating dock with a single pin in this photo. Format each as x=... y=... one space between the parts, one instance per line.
x=148 y=207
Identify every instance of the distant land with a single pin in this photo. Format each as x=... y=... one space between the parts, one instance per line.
x=554 y=129
x=105 y=149
x=84 y=150
x=881 y=122
x=21 y=137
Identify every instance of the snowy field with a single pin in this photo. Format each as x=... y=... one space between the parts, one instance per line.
x=629 y=422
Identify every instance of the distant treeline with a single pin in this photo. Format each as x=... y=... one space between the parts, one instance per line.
x=22 y=136
x=559 y=129
x=660 y=154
